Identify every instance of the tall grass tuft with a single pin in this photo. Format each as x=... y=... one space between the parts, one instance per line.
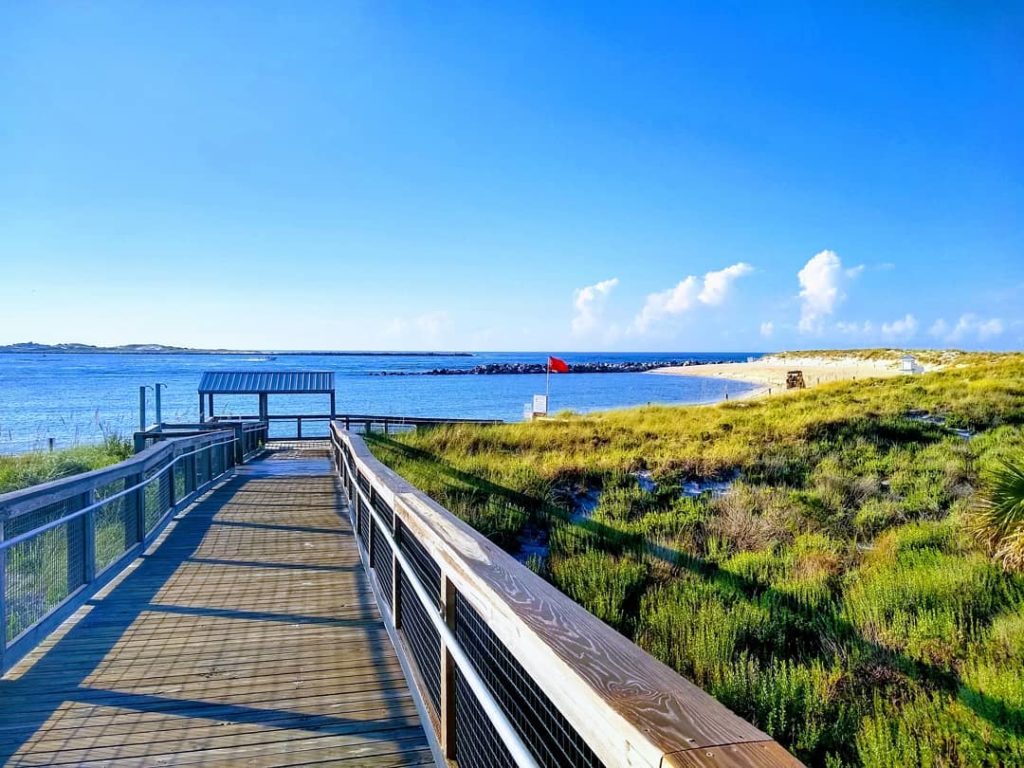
x=998 y=517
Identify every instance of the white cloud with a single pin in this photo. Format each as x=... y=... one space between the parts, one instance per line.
x=673 y=301
x=854 y=272
x=428 y=327
x=688 y=293
x=969 y=326
x=821 y=288
x=767 y=328
x=900 y=329
x=717 y=284
x=856 y=329
x=588 y=303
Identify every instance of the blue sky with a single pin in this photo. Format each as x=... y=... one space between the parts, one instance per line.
x=512 y=176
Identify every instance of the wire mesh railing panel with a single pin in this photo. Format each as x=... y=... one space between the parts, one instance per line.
x=387 y=515
x=427 y=570
x=422 y=640
x=477 y=744
x=116 y=524
x=363 y=516
x=216 y=460
x=180 y=477
x=202 y=467
x=381 y=561
x=42 y=571
x=553 y=742
x=156 y=497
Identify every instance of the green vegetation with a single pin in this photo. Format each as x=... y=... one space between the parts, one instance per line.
x=837 y=595
x=998 y=520
x=24 y=469
x=38 y=570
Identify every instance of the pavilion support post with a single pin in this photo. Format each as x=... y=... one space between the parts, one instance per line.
x=211 y=404
x=333 y=411
x=202 y=409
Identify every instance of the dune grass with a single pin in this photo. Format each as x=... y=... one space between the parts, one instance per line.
x=833 y=596
x=24 y=469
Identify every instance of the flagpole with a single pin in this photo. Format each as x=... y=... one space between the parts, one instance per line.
x=547 y=387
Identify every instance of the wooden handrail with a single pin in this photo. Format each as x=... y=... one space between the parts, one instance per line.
x=628 y=707
x=21 y=502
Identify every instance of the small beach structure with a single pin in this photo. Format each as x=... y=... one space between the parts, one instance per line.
x=909 y=365
x=263 y=384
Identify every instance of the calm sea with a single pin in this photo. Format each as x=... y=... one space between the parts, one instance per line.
x=76 y=398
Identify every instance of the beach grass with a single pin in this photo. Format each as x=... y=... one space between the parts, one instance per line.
x=24 y=469
x=830 y=588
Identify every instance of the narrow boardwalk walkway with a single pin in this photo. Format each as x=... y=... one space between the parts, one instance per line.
x=247 y=636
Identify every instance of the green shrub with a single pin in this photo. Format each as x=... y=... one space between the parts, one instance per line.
x=798 y=704
x=918 y=599
x=605 y=585
x=933 y=730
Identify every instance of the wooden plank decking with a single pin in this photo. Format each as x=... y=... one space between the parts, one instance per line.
x=248 y=635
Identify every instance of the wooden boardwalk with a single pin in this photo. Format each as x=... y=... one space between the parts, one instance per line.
x=247 y=635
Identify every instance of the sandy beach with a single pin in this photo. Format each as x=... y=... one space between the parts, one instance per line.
x=769 y=373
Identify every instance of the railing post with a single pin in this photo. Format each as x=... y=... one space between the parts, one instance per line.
x=447 y=672
x=370 y=525
x=139 y=499
x=298 y=427
x=239 y=444
x=3 y=599
x=396 y=571
x=171 y=485
x=89 y=540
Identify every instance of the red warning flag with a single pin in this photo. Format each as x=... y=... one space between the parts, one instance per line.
x=557 y=365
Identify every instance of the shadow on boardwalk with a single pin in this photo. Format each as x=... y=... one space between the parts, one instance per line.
x=248 y=633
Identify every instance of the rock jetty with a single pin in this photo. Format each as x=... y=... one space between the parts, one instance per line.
x=492 y=369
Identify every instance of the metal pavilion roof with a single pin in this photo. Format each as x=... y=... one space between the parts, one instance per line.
x=269 y=382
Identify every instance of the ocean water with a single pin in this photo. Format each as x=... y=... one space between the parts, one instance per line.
x=77 y=398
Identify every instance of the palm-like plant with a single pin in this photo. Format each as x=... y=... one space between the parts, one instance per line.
x=998 y=517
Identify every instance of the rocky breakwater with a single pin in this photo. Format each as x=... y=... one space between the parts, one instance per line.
x=494 y=369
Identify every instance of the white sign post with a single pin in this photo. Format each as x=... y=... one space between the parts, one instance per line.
x=540 y=405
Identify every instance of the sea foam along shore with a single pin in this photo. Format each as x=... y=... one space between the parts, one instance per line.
x=769 y=373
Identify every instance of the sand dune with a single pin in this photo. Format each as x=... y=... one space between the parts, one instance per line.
x=770 y=372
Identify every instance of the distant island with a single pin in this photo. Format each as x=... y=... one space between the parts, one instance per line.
x=71 y=348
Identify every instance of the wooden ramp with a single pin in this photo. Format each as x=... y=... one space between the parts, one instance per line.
x=247 y=635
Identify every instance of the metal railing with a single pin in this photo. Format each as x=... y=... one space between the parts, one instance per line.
x=374 y=532
x=251 y=435
x=507 y=670
x=316 y=426
x=60 y=542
